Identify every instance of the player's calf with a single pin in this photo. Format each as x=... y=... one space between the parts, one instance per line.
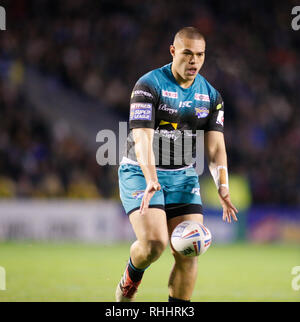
x=183 y=277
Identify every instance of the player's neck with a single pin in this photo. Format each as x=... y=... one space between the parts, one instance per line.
x=181 y=81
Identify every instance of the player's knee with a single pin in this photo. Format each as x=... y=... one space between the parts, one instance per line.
x=155 y=248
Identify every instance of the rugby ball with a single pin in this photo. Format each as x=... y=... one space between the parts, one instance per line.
x=191 y=238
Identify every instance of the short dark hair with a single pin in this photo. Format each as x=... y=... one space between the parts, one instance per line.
x=190 y=33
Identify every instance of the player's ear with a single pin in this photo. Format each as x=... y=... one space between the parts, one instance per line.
x=172 y=50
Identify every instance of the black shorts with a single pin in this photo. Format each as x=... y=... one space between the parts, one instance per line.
x=176 y=209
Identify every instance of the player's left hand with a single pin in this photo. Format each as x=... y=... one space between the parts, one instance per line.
x=229 y=209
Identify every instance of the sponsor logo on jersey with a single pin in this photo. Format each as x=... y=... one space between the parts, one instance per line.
x=201 y=112
x=140 y=111
x=185 y=104
x=220 y=118
x=166 y=108
x=201 y=97
x=141 y=93
x=169 y=94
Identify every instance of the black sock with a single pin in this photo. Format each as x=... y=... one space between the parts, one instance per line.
x=135 y=274
x=174 y=299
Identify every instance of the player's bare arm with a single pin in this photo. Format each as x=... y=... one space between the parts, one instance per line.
x=143 y=138
x=215 y=151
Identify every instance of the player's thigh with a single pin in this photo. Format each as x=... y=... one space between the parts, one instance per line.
x=152 y=226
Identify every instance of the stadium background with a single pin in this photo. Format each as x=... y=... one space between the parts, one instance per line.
x=67 y=69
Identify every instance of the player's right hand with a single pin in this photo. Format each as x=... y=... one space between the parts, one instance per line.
x=152 y=186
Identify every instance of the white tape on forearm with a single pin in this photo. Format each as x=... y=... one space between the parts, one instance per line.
x=216 y=174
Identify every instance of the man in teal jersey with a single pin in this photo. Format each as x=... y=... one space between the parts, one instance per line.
x=159 y=187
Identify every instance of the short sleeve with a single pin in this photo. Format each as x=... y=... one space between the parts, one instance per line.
x=216 y=116
x=143 y=102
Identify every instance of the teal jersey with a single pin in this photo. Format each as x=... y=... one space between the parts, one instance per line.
x=175 y=114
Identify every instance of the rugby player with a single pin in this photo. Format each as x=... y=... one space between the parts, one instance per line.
x=157 y=191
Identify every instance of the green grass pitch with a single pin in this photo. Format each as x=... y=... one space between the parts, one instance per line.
x=80 y=272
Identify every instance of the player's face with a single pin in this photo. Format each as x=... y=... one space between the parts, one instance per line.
x=188 y=57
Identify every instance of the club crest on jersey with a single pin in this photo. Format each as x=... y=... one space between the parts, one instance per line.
x=201 y=97
x=169 y=94
x=201 y=112
x=138 y=194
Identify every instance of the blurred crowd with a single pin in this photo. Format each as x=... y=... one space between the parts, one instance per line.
x=101 y=48
x=35 y=162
